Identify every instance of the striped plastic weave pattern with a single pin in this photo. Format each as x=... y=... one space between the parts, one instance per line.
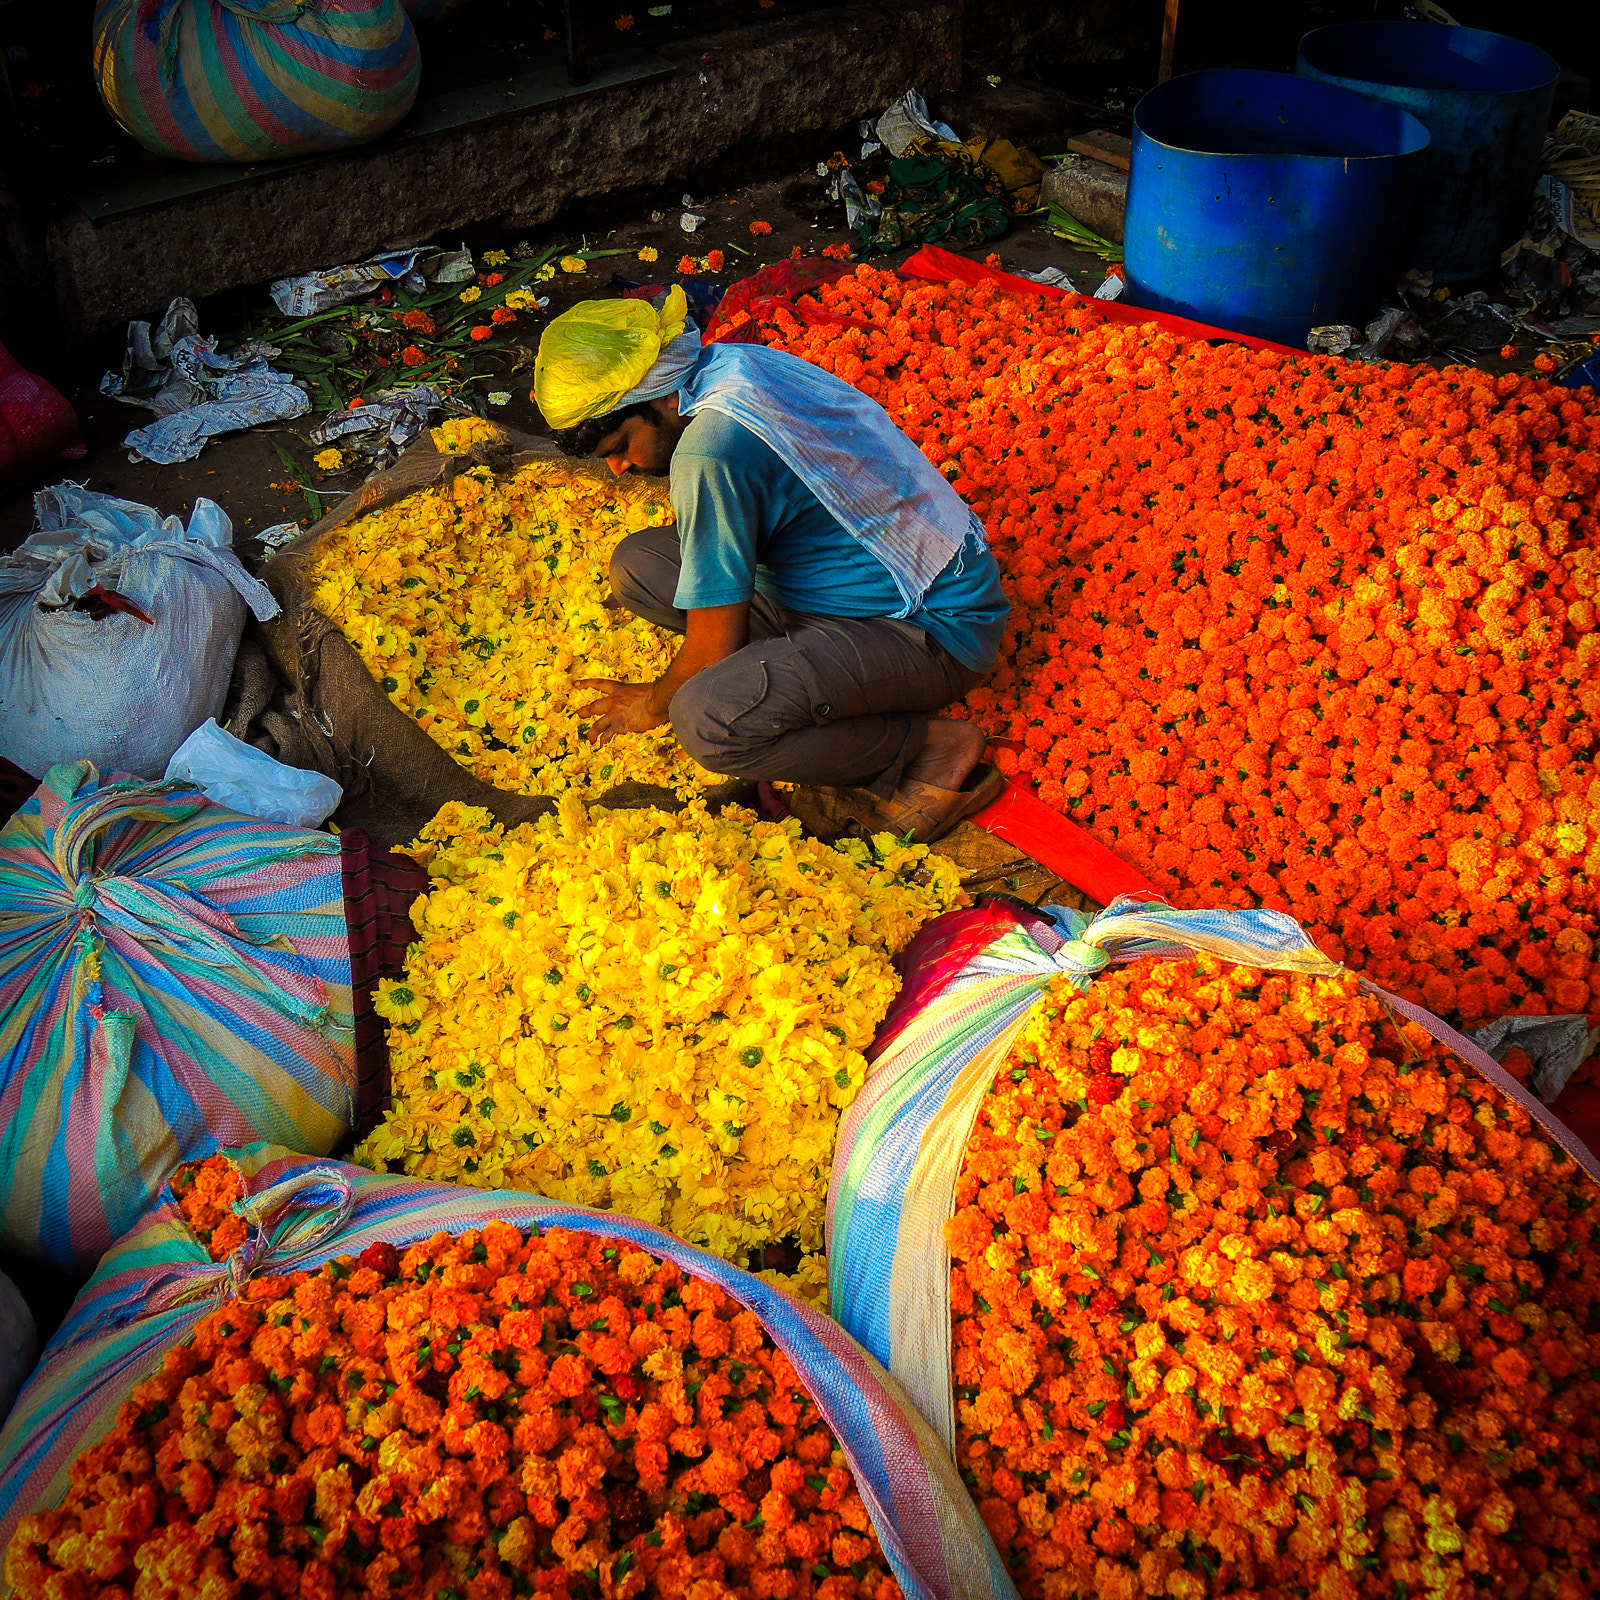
x=251 y=80
x=158 y=1282
x=173 y=977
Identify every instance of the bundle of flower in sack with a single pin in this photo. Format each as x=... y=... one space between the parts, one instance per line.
x=479 y=604
x=1287 y=630
x=480 y=1416
x=660 y=1015
x=1255 y=1293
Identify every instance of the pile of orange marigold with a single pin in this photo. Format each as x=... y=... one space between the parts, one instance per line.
x=1253 y=1294
x=479 y=1417
x=1287 y=630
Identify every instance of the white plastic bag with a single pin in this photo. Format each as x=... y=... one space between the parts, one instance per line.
x=117 y=691
x=239 y=776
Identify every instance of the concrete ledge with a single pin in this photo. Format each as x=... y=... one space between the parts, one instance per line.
x=762 y=83
x=1093 y=192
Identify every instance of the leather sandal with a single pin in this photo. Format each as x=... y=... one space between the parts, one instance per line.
x=923 y=810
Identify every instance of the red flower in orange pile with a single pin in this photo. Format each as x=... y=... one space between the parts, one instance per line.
x=1286 y=630
x=487 y=1416
x=412 y=356
x=1294 y=1305
x=420 y=320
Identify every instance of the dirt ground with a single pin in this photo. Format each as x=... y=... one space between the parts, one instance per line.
x=244 y=472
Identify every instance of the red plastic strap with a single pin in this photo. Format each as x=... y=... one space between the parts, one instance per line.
x=1476 y=1056
x=1021 y=818
x=945 y=266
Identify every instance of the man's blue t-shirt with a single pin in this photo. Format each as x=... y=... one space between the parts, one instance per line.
x=748 y=524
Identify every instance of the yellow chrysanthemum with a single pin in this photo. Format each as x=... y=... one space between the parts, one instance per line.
x=574 y=264
x=467 y=296
x=661 y=1016
x=649 y=253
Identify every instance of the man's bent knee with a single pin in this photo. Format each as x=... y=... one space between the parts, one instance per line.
x=700 y=716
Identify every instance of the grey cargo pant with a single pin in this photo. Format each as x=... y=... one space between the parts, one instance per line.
x=836 y=701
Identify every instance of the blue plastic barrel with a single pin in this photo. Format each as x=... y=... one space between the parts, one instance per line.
x=1266 y=203
x=1484 y=99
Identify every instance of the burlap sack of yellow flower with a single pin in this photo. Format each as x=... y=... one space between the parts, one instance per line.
x=477 y=603
x=659 y=1015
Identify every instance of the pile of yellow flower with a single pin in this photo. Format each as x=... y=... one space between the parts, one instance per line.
x=477 y=604
x=661 y=1015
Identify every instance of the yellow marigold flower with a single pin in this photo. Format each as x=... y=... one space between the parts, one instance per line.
x=545 y=273
x=574 y=264
x=495 y=258
x=330 y=460
x=467 y=296
x=398 y=1002
x=649 y=253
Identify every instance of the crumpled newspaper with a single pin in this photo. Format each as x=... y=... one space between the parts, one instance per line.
x=197 y=393
x=859 y=206
x=394 y=420
x=1333 y=339
x=1555 y=1045
x=908 y=119
x=312 y=292
x=1393 y=336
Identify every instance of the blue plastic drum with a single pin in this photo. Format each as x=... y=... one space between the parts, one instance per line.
x=1485 y=100
x=1266 y=203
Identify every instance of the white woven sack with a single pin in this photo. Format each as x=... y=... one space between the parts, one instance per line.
x=118 y=691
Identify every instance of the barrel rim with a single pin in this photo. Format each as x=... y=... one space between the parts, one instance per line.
x=1416 y=132
x=1538 y=60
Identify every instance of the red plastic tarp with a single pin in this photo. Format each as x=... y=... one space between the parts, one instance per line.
x=945 y=266
x=1022 y=819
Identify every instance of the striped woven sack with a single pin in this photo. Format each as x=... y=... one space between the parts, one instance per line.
x=173 y=977
x=158 y=1281
x=251 y=80
x=904 y=1139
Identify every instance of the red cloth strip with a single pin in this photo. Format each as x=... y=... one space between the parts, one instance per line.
x=1021 y=818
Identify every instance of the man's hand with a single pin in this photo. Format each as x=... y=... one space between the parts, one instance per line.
x=621 y=708
x=712 y=635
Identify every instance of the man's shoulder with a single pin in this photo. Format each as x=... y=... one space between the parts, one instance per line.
x=716 y=436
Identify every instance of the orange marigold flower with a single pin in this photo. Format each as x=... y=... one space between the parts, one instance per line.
x=502 y=314
x=760 y=228
x=688 y=265
x=420 y=320
x=380 y=1398
x=482 y=331
x=1176 y=1306
x=413 y=356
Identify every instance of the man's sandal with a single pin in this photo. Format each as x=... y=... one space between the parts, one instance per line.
x=923 y=810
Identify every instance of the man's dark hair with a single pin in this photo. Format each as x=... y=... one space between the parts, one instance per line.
x=585 y=438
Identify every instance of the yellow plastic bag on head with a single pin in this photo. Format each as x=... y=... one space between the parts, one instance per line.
x=592 y=355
